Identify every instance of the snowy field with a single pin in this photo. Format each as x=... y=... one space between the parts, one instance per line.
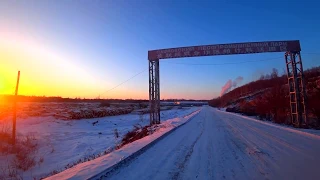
x=61 y=143
x=63 y=110
x=96 y=168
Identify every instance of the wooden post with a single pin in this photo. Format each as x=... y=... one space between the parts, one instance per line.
x=15 y=111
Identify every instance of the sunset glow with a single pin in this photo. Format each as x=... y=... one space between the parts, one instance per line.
x=43 y=71
x=78 y=49
x=183 y=89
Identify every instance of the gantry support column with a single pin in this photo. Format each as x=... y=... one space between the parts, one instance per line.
x=154 y=92
x=297 y=90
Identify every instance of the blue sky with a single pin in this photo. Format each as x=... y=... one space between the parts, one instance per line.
x=110 y=39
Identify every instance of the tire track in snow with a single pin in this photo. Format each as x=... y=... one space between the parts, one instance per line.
x=209 y=148
x=237 y=142
x=181 y=165
x=248 y=147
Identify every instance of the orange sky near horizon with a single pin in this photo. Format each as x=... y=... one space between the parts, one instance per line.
x=46 y=75
x=45 y=72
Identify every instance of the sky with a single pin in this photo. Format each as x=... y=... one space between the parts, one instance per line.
x=88 y=48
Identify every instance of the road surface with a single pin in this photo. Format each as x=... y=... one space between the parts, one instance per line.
x=218 y=145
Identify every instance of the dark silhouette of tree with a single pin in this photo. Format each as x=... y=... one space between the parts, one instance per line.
x=267 y=76
x=274 y=73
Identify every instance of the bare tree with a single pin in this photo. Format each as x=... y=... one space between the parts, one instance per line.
x=274 y=73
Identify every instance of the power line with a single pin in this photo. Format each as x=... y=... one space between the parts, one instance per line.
x=123 y=82
x=217 y=64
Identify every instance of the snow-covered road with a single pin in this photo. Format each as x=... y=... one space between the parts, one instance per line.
x=218 y=145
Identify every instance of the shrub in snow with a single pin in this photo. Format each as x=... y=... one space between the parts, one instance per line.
x=5 y=135
x=21 y=157
x=24 y=160
x=104 y=104
x=88 y=114
x=25 y=152
x=41 y=160
x=137 y=133
x=9 y=172
x=5 y=140
x=141 y=117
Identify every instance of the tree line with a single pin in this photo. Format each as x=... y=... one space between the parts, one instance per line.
x=268 y=98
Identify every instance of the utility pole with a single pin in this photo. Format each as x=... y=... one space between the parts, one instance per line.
x=15 y=111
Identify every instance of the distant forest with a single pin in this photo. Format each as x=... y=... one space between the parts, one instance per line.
x=22 y=98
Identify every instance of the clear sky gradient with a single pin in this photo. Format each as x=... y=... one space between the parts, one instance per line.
x=84 y=48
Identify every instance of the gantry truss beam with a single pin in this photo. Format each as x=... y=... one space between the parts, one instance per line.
x=154 y=92
x=297 y=90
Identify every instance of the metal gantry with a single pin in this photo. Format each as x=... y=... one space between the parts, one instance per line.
x=297 y=87
x=297 y=90
x=154 y=92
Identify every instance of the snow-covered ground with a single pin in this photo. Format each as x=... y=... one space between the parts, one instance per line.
x=219 y=145
x=64 y=142
x=97 y=167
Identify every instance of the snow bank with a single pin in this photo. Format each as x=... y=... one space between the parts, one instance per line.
x=101 y=165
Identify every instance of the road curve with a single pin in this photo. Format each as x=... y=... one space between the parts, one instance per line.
x=217 y=145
